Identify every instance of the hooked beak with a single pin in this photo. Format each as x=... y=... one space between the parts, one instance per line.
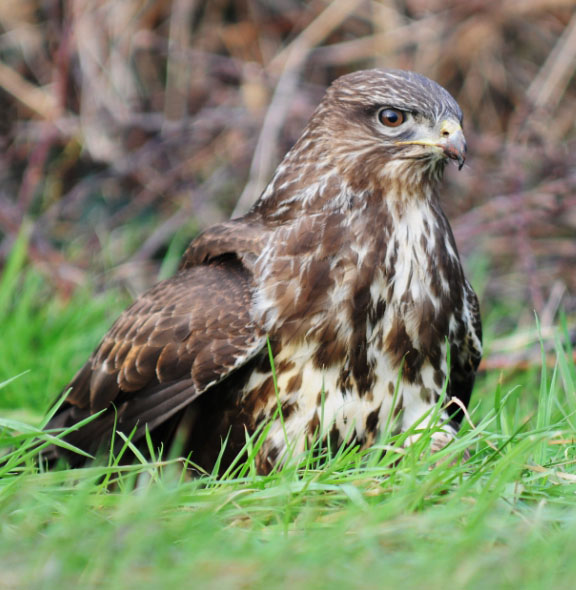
x=451 y=142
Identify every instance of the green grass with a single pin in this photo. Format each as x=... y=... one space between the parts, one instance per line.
x=44 y=338
x=504 y=519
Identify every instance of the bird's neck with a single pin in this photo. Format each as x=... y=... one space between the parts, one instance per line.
x=330 y=181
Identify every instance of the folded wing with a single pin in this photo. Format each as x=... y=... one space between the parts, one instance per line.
x=177 y=340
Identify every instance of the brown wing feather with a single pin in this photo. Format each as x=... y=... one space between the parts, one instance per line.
x=167 y=332
x=243 y=237
x=184 y=335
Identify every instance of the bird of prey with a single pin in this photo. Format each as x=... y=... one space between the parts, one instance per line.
x=345 y=269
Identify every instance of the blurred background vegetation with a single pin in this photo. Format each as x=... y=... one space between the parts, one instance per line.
x=126 y=126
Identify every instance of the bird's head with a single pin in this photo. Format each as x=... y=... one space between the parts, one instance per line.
x=376 y=120
x=375 y=132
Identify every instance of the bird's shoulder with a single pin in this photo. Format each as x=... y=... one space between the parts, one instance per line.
x=242 y=238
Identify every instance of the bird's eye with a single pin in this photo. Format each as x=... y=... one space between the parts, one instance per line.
x=391 y=117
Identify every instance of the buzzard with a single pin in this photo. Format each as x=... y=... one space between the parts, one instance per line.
x=345 y=270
